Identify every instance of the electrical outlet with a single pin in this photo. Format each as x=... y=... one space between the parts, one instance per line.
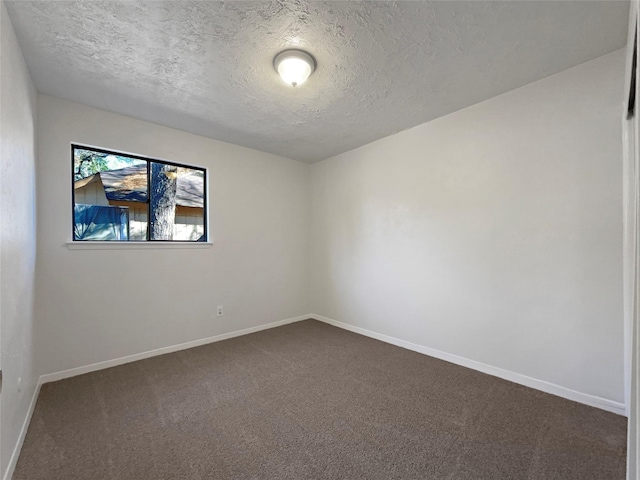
x=220 y=311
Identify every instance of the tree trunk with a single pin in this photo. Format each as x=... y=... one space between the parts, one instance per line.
x=163 y=200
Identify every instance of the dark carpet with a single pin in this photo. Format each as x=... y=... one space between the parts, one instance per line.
x=311 y=401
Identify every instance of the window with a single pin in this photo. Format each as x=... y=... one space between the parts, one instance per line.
x=122 y=197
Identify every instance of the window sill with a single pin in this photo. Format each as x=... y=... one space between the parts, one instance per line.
x=96 y=245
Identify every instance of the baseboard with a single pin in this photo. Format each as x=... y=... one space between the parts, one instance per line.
x=13 y=461
x=72 y=372
x=591 y=400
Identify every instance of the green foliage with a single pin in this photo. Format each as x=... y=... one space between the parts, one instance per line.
x=89 y=163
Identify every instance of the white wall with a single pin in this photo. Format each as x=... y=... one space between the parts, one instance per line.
x=96 y=305
x=17 y=239
x=494 y=233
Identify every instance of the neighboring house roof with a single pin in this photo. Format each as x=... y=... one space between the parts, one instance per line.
x=130 y=185
x=126 y=184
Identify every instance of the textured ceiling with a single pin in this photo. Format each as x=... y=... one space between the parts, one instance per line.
x=206 y=67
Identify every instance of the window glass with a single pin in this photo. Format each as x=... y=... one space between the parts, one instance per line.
x=127 y=198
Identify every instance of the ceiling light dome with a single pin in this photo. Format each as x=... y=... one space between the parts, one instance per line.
x=294 y=66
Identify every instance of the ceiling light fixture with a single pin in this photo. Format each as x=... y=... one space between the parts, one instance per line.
x=294 y=66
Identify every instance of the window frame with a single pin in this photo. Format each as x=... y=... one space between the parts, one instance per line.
x=74 y=244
